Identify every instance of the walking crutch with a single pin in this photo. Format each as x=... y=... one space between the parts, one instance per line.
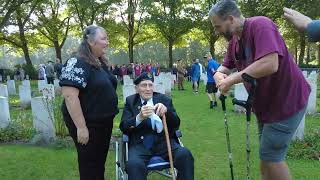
x=223 y=103
x=165 y=128
x=247 y=105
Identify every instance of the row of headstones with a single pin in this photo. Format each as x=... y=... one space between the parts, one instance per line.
x=42 y=109
x=15 y=77
x=241 y=94
x=25 y=92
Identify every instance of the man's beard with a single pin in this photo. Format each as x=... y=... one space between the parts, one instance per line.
x=228 y=35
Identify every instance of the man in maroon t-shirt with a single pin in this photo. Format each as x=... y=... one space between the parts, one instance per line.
x=137 y=70
x=257 y=48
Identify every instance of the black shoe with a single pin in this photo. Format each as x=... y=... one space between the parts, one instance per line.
x=211 y=105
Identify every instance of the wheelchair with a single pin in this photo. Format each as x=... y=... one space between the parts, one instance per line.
x=156 y=164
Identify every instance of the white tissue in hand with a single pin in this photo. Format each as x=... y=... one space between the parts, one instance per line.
x=156 y=123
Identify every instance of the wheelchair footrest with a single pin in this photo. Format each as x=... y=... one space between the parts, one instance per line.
x=157 y=163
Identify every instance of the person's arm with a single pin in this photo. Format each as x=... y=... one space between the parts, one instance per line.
x=267 y=65
x=72 y=101
x=313 y=31
x=299 y=20
x=303 y=23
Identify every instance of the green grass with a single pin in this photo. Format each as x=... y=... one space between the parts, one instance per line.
x=203 y=133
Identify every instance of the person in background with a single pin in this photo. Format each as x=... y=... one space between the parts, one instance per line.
x=123 y=72
x=158 y=69
x=50 y=72
x=195 y=71
x=41 y=72
x=137 y=70
x=180 y=74
x=58 y=67
x=90 y=102
x=211 y=87
x=22 y=74
x=130 y=70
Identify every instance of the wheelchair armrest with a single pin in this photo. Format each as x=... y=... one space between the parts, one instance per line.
x=125 y=138
x=178 y=133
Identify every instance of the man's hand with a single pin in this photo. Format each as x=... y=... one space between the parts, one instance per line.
x=224 y=85
x=160 y=109
x=219 y=76
x=83 y=135
x=146 y=111
x=299 y=20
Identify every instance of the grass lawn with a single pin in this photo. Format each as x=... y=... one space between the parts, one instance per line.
x=203 y=133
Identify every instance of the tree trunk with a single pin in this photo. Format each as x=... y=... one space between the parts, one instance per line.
x=302 y=48
x=24 y=41
x=308 y=54
x=130 y=45
x=130 y=29
x=212 y=41
x=58 y=50
x=170 y=54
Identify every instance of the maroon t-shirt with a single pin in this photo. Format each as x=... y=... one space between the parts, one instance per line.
x=279 y=95
x=137 y=70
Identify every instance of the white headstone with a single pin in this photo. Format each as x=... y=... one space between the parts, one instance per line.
x=25 y=96
x=11 y=87
x=43 y=119
x=299 y=134
x=48 y=91
x=127 y=80
x=166 y=81
x=157 y=80
x=312 y=102
x=8 y=78
x=240 y=93
x=41 y=84
x=4 y=90
x=5 y=113
x=128 y=90
x=27 y=77
x=159 y=88
x=26 y=83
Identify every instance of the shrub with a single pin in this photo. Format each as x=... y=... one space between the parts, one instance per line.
x=15 y=132
x=309 y=148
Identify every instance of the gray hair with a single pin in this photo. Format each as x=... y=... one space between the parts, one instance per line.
x=225 y=8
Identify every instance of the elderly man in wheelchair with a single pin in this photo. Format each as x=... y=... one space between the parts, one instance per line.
x=141 y=122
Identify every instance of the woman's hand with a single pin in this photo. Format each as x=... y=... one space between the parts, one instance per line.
x=83 y=135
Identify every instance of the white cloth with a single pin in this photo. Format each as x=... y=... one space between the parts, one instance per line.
x=156 y=122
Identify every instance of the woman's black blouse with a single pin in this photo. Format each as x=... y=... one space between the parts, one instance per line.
x=97 y=90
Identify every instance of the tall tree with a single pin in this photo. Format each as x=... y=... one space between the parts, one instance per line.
x=53 y=23
x=172 y=19
x=7 y=8
x=132 y=19
x=21 y=20
x=88 y=12
x=203 y=22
